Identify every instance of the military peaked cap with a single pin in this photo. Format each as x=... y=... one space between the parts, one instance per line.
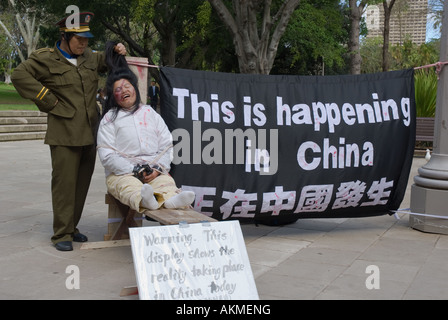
x=82 y=30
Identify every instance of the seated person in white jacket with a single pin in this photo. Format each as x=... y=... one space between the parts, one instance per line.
x=135 y=148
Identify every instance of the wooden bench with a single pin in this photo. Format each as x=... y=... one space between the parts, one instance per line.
x=121 y=218
x=425 y=129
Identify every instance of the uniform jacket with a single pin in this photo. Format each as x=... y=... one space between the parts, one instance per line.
x=134 y=138
x=47 y=77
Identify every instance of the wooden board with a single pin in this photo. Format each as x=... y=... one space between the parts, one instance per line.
x=175 y=216
x=106 y=244
x=425 y=129
x=117 y=215
x=129 y=291
x=121 y=218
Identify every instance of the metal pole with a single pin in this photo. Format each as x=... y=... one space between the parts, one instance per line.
x=430 y=192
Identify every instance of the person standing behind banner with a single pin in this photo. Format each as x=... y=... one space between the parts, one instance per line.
x=135 y=148
x=153 y=92
x=101 y=99
x=63 y=82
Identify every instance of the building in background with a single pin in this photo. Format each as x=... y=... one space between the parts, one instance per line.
x=408 y=21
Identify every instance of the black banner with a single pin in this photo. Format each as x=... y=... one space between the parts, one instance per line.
x=278 y=148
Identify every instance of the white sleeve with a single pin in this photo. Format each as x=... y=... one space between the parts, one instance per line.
x=110 y=158
x=165 y=143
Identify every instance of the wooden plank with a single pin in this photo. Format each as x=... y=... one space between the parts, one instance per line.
x=105 y=244
x=129 y=291
x=121 y=217
x=424 y=138
x=163 y=216
x=425 y=129
x=108 y=199
x=175 y=216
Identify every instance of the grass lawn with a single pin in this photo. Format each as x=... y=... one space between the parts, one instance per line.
x=11 y=100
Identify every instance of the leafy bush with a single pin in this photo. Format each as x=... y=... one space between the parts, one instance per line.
x=426 y=92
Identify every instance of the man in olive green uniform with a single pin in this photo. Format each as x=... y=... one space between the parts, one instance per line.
x=63 y=82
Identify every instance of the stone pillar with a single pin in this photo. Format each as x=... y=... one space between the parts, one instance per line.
x=429 y=194
x=140 y=67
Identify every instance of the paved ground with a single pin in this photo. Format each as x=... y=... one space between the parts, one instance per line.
x=311 y=259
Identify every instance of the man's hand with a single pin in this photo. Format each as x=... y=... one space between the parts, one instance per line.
x=120 y=49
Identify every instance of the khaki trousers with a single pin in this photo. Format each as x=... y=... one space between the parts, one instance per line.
x=127 y=189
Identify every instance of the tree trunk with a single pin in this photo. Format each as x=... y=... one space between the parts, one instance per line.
x=168 y=38
x=386 y=33
x=353 y=45
x=8 y=71
x=28 y=28
x=8 y=34
x=255 y=47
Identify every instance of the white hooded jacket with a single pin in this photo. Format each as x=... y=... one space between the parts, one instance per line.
x=134 y=138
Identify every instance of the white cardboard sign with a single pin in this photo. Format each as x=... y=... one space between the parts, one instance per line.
x=192 y=262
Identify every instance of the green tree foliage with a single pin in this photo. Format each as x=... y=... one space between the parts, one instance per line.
x=371 y=53
x=184 y=34
x=408 y=55
x=190 y=34
x=314 y=40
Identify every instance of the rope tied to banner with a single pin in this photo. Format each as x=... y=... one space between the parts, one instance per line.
x=439 y=66
x=419 y=221
x=409 y=212
x=139 y=64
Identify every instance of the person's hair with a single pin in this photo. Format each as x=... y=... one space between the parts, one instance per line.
x=113 y=59
x=118 y=70
x=67 y=36
x=114 y=76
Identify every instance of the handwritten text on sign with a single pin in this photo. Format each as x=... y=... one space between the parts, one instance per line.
x=199 y=261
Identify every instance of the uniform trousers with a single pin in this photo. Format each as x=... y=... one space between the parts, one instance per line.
x=127 y=189
x=71 y=176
